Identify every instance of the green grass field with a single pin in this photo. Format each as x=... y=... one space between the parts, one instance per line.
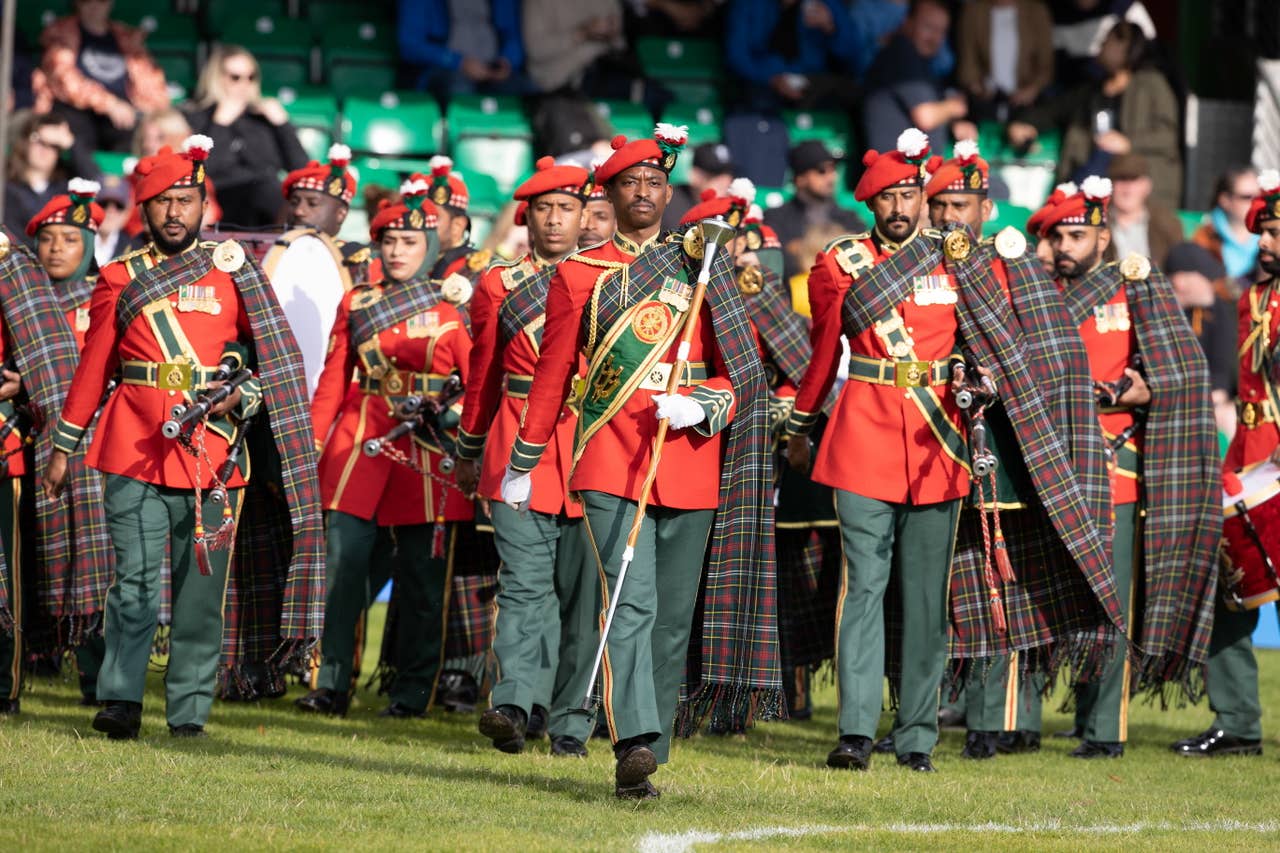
x=268 y=777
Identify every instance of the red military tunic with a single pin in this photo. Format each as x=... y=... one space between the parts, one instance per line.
x=1109 y=347
x=78 y=320
x=878 y=443
x=128 y=440
x=12 y=446
x=491 y=409
x=344 y=417
x=616 y=459
x=1253 y=443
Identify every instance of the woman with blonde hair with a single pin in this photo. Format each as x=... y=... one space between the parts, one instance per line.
x=165 y=126
x=253 y=139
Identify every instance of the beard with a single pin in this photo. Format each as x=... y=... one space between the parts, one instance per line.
x=1269 y=263
x=1068 y=267
x=897 y=226
x=169 y=246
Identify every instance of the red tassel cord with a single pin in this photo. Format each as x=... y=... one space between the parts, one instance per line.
x=1004 y=566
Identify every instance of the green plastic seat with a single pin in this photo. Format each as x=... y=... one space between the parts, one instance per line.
x=368 y=171
x=325 y=14
x=179 y=73
x=220 y=15
x=271 y=37
x=283 y=73
x=631 y=120
x=693 y=93
x=35 y=15
x=177 y=34
x=1007 y=214
x=768 y=197
x=486 y=197
x=680 y=59
x=703 y=122
x=111 y=162
x=830 y=128
x=392 y=125
x=310 y=107
x=1191 y=220
x=361 y=41
x=505 y=159
x=481 y=227
x=315 y=141
x=347 y=79
x=487 y=116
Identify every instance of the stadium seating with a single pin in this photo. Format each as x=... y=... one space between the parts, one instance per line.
x=631 y=120
x=392 y=125
x=490 y=134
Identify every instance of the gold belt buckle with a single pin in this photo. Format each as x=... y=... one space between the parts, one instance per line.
x=1251 y=414
x=393 y=383
x=173 y=376
x=912 y=374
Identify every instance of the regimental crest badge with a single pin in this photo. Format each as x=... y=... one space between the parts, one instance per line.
x=956 y=245
x=651 y=322
x=750 y=281
x=734 y=217
x=440 y=195
x=1135 y=267
x=1095 y=216
x=228 y=256
x=692 y=242
x=416 y=219
x=1010 y=243
x=82 y=319
x=975 y=180
x=479 y=259
x=754 y=240
x=669 y=161
x=79 y=214
x=335 y=187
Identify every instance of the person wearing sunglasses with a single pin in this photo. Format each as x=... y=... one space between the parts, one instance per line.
x=253 y=132
x=36 y=168
x=98 y=75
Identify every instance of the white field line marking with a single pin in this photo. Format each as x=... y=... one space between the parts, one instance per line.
x=683 y=842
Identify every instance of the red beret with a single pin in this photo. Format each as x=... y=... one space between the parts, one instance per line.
x=168 y=168
x=447 y=187
x=76 y=207
x=1086 y=207
x=906 y=166
x=733 y=207
x=414 y=212
x=330 y=178
x=550 y=178
x=1060 y=194
x=1267 y=205
x=519 y=216
x=966 y=172
x=660 y=152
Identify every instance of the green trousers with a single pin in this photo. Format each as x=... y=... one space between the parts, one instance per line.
x=880 y=538
x=143 y=519
x=88 y=662
x=548 y=606
x=993 y=704
x=1231 y=676
x=1102 y=706
x=356 y=549
x=644 y=660
x=10 y=538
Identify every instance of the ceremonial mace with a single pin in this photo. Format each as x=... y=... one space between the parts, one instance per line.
x=715 y=233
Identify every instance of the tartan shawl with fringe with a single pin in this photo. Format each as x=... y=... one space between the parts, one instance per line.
x=1183 y=517
x=733 y=666
x=1063 y=605
x=286 y=417
x=72 y=548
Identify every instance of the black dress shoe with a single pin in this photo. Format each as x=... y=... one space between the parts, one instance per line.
x=1098 y=749
x=505 y=725
x=950 y=718
x=567 y=745
x=187 y=730
x=884 y=746
x=1022 y=740
x=1216 y=742
x=537 y=727
x=324 y=701
x=1073 y=733
x=917 y=761
x=642 y=791
x=636 y=763
x=400 y=711
x=10 y=706
x=89 y=700
x=119 y=720
x=979 y=745
x=853 y=752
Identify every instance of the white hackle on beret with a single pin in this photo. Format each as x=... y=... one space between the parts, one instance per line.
x=913 y=143
x=1096 y=188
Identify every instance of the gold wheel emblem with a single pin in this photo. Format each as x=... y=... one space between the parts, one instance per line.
x=750 y=281
x=651 y=322
x=228 y=256
x=956 y=245
x=693 y=242
x=1135 y=267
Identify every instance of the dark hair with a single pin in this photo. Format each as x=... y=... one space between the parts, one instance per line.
x=1226 y=182
x=914 y=6
x=18 y=158
x=1135 y=41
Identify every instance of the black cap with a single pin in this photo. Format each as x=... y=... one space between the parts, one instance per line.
x=809 y=154
x=1190 y=257
x=713 y=158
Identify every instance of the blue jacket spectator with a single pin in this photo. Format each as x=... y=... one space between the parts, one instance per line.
x=768 y=38
x=877 y=21
x=484 y=54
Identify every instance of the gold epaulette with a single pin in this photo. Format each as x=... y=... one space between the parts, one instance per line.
x=128 y=256
x=209 y=244
x=359 y=256
x=860 y=236
x=931 y=233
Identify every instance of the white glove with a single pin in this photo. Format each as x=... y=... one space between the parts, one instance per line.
x=680 y=410
x=516 y=488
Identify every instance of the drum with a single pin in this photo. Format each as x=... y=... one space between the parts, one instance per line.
x=305 y=268
x=1251 y=536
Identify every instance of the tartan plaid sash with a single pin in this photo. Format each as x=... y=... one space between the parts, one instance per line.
x=160 y=281
x=525 y=304
x=1183 y=517
x=784 y=332
x=1064 y=590
x=880 y=289
x=734 y=668
x=73 y=292
x=71 y=544
x=399 y=302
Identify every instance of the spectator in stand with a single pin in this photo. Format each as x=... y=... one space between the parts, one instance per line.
x=1225 y=235
x=455 y=47
x=878 y=21
x=97 y=73
x=1132 y=109
x=812 y=208
x=792 y=54
x=904 y=90
x=564 y=39
x=165 y=126
x=36 y=170
x=1080 y=27
x=252 y=135
x=1006 y=55
x=112 y=240
x=1139 y=223
x=712 y=167
x=1196 y=277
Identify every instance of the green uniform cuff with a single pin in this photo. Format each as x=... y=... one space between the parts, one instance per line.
x=250 y=398
x=66 y=436
x=800 y=423
x=779 y=411
x=717 y=404
x=525 y=456
x=236 y=351
x=469 y=446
